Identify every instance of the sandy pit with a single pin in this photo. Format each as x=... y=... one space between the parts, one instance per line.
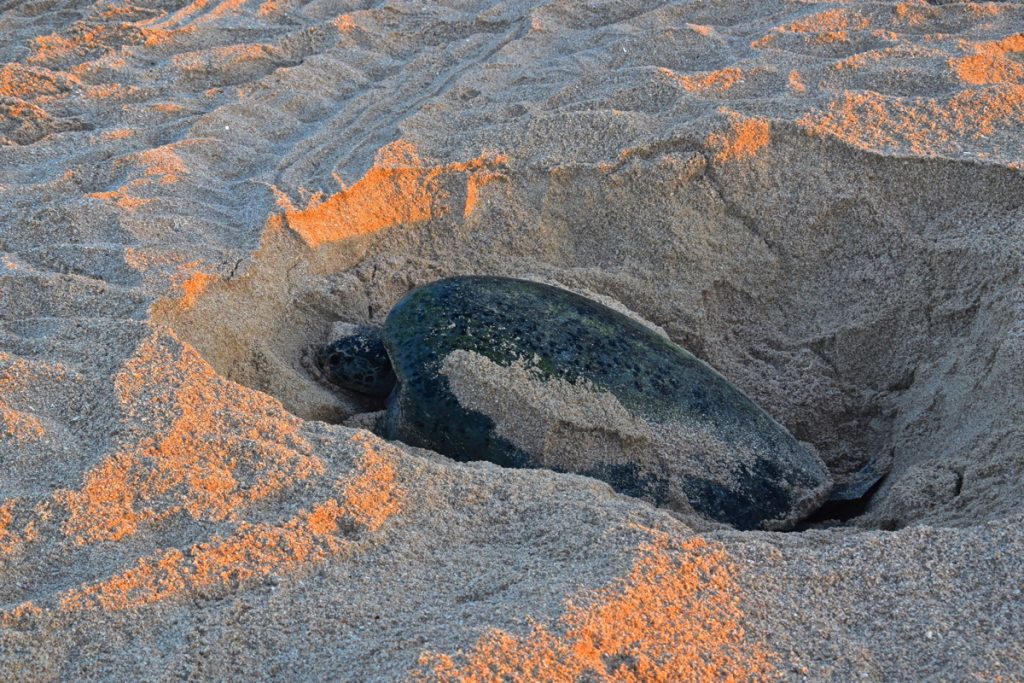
x=823 y=200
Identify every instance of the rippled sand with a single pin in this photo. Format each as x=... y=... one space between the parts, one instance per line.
x=823 y=200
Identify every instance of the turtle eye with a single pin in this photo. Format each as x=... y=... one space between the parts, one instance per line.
x=334 y=360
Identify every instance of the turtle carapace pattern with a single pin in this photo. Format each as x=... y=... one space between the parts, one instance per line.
x=567 y=337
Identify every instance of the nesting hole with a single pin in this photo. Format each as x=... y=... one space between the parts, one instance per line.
x=869 y=309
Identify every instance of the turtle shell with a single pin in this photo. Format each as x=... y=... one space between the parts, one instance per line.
x=728 y=459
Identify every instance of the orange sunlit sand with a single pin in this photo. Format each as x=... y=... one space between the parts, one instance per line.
x=823 y=200
x=676 y=616
x=368 y=498
x=186 y=459
x=190 y=466
x=398 y=190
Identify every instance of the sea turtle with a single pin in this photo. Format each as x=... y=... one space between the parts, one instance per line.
x=525 y=374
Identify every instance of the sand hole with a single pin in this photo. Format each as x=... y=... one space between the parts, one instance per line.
x=848 y=293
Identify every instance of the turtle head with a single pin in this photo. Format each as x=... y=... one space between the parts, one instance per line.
x=358 y=362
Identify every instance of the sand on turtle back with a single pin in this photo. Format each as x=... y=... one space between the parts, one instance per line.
x=745 y=469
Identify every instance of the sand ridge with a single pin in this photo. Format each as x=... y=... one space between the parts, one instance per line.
x=574 y=426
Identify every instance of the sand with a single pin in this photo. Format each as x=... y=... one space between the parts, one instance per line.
x=825 y=201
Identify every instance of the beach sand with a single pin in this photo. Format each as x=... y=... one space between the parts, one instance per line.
x=823 y=200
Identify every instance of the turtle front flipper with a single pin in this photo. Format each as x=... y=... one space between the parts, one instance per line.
x=358 y=362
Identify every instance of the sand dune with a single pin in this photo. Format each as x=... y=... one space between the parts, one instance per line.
x=825 y=200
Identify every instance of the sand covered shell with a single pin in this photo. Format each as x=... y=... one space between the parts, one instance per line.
x=523 y=374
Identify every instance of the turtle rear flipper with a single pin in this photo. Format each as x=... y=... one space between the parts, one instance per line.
x=849 y=499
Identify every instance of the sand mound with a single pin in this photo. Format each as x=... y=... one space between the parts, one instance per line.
x=825 y=201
